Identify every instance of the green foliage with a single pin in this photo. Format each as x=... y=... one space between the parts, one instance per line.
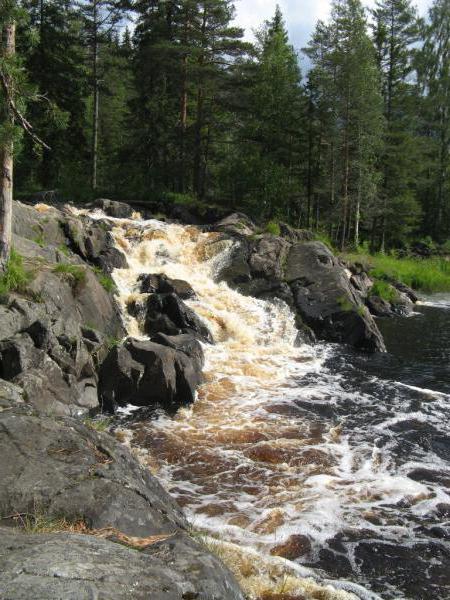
x=40 y=240
x=273 y=227
x=15 y=278
x=72 y=272
x=345 y=304
x=426 y=275
x=384 y=290
x=105 y=280
x=325 y=239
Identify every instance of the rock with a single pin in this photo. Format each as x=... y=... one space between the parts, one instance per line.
x=93 y=242
x=62 y=468
x=268 y=256
x=118 y=210
x=362 y=283
x=82 y=567
x=295 y=235
x=325 y=299
x=144 y=373
x=44 y=225
x=10 y=395
x=161 y=284
x=236 y=224
x=18 y=354
x=166 y=313
x=379 y=307
x=294 y=547
x=186 y=343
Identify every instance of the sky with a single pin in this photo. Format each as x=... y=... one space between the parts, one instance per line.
x=300 y=15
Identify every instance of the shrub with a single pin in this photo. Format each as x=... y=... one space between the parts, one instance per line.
x=15 y=278
x=273 y=228
x=384 y=290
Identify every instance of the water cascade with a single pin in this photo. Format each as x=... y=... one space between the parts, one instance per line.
x=288 y=445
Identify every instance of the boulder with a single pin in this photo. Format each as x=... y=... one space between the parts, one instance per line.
x=61 y=468
x=236 y=224
x=82 y=567
x=379 y=307
x=93 y=242
x=161 y=284
x=268 y=256
x=118 y=210
x=186 y=342
x=143 y=373
x=166 y=313
x=295 y=235
x=326 y=301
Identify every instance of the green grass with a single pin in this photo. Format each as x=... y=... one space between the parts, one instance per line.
x=105 y=280
x=98 y=424
x=325 y=239
x=74 y=272
x=273 y=228
x=426 y=275
x=15 y=278
x=64 y=249
x=384 y=290
x=39 y=240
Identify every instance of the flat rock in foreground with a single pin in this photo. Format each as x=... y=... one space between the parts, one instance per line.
x=81 y=567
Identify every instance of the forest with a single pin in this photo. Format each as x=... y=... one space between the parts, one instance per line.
x=167 y=100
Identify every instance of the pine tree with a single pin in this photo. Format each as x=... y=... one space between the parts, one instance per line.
x=346 y=79
x=395 y=31
x=434 y=74
x=269 y=158
x=100 y=17
x=55 y=66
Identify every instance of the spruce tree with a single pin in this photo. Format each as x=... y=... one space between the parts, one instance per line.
x=395 y=32
x=434 y=76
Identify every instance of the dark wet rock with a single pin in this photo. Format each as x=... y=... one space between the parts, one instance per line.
x=325 y=299
x=187 y=343
x=144 y=373
x=119 y=210
x=60 y=467
x=379 y=307
x=82 y=567
x=93 y=242
x=406 y=290
x=418 y=564
x=431 y=476
x=166 y=313
x=161 y=284
x=236 y=224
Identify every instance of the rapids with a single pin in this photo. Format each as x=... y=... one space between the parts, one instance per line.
x=301 y=440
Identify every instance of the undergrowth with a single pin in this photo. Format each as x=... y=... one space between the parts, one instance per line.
x=427 y=274
x=15 y=278
x=384 y=290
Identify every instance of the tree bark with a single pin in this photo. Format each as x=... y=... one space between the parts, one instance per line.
x=6 y=158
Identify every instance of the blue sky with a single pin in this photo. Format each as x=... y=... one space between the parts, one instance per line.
x=300 y=15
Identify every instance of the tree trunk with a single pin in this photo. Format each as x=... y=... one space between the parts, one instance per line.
x=6 y=158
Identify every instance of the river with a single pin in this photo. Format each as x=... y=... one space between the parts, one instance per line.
x=349 y=453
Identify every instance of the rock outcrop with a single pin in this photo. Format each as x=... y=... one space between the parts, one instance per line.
x=310 y=279
x=82 y=567
x=59 y=471
x=145 y=373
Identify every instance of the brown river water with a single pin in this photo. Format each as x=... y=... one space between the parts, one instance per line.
x=348 y=453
